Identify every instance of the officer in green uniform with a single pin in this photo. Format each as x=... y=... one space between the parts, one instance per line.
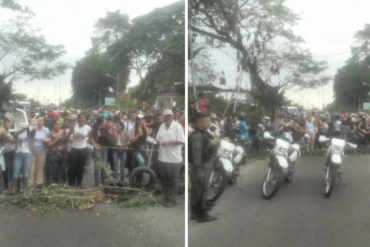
x=201 y=159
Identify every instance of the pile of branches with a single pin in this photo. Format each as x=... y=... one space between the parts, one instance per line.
x=57 y=197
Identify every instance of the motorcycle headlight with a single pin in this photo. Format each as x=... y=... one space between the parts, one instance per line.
x=337 y=149
x=225 y=154
x=280 y=151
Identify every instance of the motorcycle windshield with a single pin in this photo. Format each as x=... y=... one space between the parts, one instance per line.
x=281 y=147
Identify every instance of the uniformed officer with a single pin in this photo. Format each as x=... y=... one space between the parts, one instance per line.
x=201 y=159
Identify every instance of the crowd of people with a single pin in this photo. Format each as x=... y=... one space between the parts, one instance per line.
x=205 y=129
x=57 y=146
x=305 y=128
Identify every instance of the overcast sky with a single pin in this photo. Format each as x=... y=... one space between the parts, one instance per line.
x=70 y=23
x=328 y=27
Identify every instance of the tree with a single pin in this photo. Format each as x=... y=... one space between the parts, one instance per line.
x=270 y=52
x=159 y=56
x=349 y=88
x=24 y=52
x=89 y=82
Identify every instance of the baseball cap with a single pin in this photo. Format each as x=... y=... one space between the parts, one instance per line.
x=167 y=112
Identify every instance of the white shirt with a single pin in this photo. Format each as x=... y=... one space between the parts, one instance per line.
x=23 y=143
x=128 y=128
x=337 y=125
x=80 y=136
x=171 y=153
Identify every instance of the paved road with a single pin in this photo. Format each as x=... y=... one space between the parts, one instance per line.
x=106 y=225
x=298 y=215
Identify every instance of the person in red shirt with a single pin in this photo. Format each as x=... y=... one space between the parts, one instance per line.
x=203 y=103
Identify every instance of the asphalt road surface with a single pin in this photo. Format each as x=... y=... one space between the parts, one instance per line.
x=298 y=215
x=103 y=226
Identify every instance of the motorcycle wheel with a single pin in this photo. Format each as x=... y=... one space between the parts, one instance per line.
x=143 y=178
x=217 y=184
x=271 y=184
x=233 y=179
x=330 y=180
x=290 y=174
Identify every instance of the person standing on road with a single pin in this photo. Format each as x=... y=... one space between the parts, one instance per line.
x=129 y=125
x=200 y=164
x=79 y=137
x=57 y=144
x=170 y=137
x=22 y=159
x=9 y=151
x=38 y=136
x=99 y=138
x=121 y=144
x=158 y=121
x=138 y=136
x=243 y=127
x=310 y=129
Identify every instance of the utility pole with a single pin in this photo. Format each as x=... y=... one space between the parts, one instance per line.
x=193 y=68
x=359 y=103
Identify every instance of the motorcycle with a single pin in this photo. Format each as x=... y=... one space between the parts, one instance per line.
x=334 y=159
x=225 y=169
x=281 y=165
x=245 y=145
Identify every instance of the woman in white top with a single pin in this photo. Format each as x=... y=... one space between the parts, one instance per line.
x=311 y=130
x=79 y=136
x=22 y=158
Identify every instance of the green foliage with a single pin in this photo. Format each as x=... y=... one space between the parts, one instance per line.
x=137 y=201
x=89 y=82
x=52 y=198
x=60 y=197
x=152 y=45
x=349 y=89
x=24 y=52
x=13 y=5
x=261 y=31
x=161 y=50
x=217 y=104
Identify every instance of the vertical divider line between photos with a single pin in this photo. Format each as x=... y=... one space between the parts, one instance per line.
x=186 y=125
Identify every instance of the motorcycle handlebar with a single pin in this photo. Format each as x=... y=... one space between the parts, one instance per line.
x=351 y=145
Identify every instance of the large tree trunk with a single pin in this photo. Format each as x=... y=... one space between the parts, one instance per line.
x=266 y=95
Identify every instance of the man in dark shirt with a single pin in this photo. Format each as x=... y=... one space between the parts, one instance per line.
x=158 y=120
x=200 y=164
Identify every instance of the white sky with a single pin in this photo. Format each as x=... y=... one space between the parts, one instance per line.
x=70 y=23
x=328 y=27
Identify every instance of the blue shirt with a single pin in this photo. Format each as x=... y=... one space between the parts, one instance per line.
x=243 y=129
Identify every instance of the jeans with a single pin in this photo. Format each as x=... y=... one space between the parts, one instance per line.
x=99 y=174
x=119 y=163
x=22 y=162
x=58 y=162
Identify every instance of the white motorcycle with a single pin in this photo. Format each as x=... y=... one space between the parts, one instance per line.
x=334 y=160
x=281 y=165
x=225 y=168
